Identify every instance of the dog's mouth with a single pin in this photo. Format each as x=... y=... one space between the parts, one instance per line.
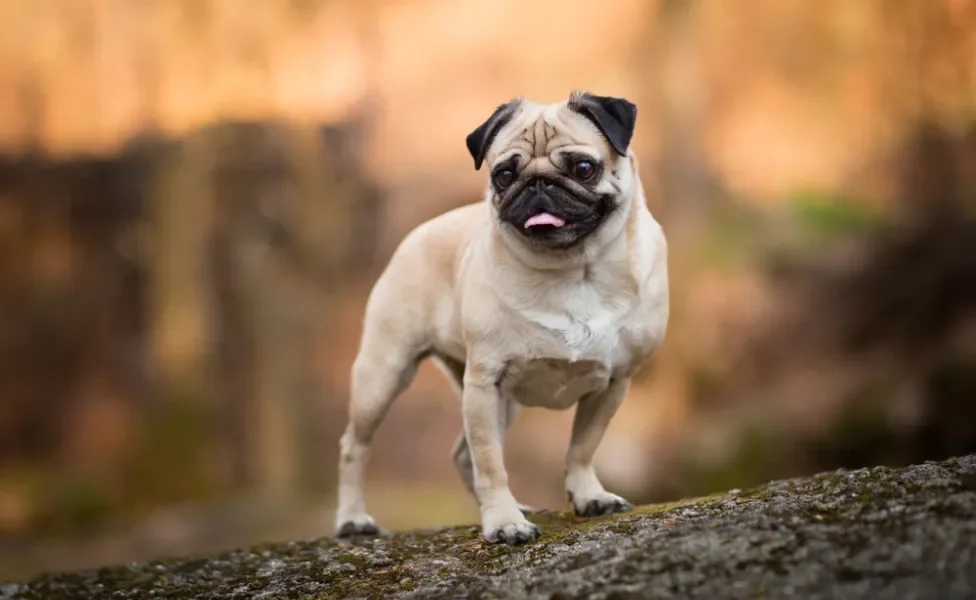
x=544 y=221
x=549 y=215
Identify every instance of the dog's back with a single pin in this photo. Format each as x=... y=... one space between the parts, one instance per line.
x=419 y=282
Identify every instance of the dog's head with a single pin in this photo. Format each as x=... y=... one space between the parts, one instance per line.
x=558 y=171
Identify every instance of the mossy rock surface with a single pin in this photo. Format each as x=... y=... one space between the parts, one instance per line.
x=870 y=533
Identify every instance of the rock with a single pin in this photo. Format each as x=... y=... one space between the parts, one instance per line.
x=870 y=533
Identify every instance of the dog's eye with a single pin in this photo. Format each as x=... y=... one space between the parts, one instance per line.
x=504 y=177
x=583 y=170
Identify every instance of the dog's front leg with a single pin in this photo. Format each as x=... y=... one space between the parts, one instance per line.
x=593 y=415
x=483 y=406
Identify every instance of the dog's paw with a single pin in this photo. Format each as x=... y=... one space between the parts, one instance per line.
x=508 y=527
x=604 y=503
x=361 y=525
x=513 y=534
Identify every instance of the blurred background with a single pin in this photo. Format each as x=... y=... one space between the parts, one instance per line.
x=195 y=198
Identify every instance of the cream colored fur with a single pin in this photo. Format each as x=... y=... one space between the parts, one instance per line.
x=513 y=325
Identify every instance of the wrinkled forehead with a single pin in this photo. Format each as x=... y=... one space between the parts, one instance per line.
x=545 y=130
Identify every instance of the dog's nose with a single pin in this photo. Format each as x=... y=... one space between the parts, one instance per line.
x=542 y=185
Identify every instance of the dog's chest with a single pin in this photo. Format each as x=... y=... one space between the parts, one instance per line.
x=579 y=338
x=573 y=349
x=581 y=324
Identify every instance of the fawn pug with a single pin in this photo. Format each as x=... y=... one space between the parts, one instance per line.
x=551 y=292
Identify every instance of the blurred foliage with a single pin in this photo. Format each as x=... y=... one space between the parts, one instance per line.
x=172 y=458
x=734 y=236
x=71 y=505
x=825 y=216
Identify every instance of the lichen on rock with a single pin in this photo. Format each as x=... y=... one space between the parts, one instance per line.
x=869 y=533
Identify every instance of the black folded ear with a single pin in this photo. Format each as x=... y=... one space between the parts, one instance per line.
x=614 y=117
x=480 y=139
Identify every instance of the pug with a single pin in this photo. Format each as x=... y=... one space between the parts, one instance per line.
x=551 y=292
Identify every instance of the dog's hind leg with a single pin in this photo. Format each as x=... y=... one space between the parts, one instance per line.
x=384 y=367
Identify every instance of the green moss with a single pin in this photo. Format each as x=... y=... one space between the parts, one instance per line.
x=665 y=549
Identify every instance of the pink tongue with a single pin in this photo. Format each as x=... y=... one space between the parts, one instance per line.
x=544 y=219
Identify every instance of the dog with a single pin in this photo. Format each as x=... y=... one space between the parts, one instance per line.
x=551 y=292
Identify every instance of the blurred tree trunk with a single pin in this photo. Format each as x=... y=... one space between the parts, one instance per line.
x=271 y=221
x=235 y=362
x=321 y=216
x=252 y=351
x=935 y=85
x=679 y=96
x=180 y=209
x=182 y=206
x=174 y=459
x=284 y=208
x=677 y=176
x=276 y=322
